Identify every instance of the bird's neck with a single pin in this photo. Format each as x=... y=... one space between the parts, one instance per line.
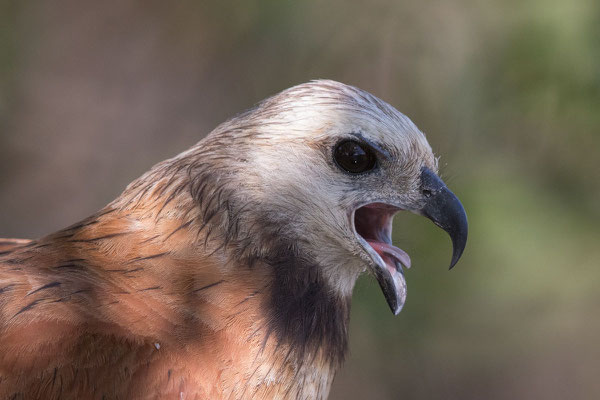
x=303 y=325
x=271 y=319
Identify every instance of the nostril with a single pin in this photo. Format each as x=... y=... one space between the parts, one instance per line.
x=426 y=192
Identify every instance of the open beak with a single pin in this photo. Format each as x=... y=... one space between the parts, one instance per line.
x=373 y=225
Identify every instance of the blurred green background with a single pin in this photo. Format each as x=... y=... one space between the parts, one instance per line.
x=92 y=93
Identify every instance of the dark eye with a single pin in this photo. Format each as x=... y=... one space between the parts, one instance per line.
x=354 y=157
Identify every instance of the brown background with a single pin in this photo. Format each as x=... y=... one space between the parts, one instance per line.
x=93 y=93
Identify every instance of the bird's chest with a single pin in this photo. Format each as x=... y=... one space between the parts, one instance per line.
x=240 y=369
x=280 y=379
x=307 y=381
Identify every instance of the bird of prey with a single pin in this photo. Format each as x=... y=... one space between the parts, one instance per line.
x=225 y=272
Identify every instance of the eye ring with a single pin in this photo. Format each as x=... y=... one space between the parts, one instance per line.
x=354 y=157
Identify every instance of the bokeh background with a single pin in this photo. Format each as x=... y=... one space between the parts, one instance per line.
x=93 y=93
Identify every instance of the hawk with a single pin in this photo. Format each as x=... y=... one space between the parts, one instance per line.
x=227 y=271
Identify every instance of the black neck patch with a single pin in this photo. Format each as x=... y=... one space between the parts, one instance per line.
x=303 y=310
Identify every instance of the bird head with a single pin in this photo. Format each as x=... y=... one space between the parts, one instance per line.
x=326 y=167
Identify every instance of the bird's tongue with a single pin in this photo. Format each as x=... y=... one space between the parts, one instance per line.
x=394 y=258
x=390 y=254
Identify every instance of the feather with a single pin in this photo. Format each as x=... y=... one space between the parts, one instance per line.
x=224 y=272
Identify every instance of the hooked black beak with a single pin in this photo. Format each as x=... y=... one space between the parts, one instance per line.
x=445 y=210
x=373 y=224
